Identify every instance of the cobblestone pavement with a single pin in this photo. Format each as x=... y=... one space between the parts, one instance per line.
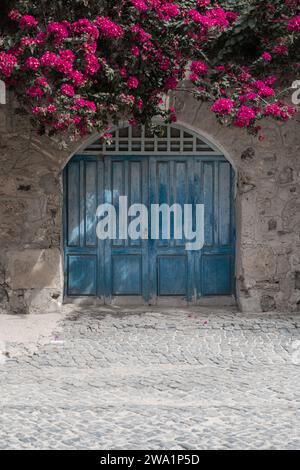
x=206 y=379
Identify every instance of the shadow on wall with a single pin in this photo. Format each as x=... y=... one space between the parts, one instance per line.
x=31 y=282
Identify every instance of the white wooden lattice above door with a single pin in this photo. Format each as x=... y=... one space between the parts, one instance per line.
x=171 y=139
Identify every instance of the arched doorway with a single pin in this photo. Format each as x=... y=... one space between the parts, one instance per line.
x=176 y=178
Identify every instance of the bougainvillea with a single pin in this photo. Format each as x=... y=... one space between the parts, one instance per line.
x=80 y=74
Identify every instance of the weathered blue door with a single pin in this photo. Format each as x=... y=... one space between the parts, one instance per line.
x=148 y=267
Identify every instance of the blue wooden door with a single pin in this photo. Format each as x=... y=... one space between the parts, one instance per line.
x=151 y=267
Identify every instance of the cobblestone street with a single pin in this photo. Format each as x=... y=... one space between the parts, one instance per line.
x=201 y=379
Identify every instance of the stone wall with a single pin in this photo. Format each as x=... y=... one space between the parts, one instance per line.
x=268 y=207
x=268 y=211
x=30 y=216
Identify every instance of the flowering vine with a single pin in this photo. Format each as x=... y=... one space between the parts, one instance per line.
x=79 y=76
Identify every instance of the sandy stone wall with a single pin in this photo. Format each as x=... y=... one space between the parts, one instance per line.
x=268 y=211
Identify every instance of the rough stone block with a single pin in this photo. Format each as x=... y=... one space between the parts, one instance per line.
x=259 y=263
x=251 y=303
x=34 y=269
x=268 y=303
x=43 y=301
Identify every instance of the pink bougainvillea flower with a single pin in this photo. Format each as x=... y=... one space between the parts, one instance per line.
x=92 y=64
x=108 y=28
x=58 y=30
x=48 y=59
x=28 y=21
x=212 y=18
x=135 y=51
x=291 y=111
x=218 y=17
x=139 y=104
x=67 y=90
x=244 y=76
x=91 y=105
x=281 y=49
x=171 y=83
x=51 y=64
x=294 y=24
x=132 y=83
x=85 y=26
x=32 y=63
x=244 y=116
x=51 y=108
x=196 y=16
x=64 y=66
x=81 y=103
x=34 y=92
x=77 y=77
x=272 y=110
x=41 y=81
x=164 y=64
x=7 y=64
x=141 y=35
x=251 y=96
x=140 y=5
x=40 y=38
x=133 y=122
x=266 y=56
x=14 y=15
x=90 y=47
x=173 y=116
x=198 y=67
x=203 y=3
x=67 y=54
x=271 y=80
x=123 y=72
x=223 y=106
x=127 y=99
x=27 y=41
x=232 y=16
x=167 y=11
x=193 y=77
x=36 y=109
x=263 y=89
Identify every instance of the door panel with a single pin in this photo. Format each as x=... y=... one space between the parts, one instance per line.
x=126 y=275
x=73 y=197
x=171 y=266
x=149 y=268
x=216 y=274
x=224 y=203
x=172 y=275
x=126 y=260
x=217 y=259
x=82 y=275
x=90 y=203
x=81 y=252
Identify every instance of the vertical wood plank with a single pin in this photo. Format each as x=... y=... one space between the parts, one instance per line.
x=224 y=203
x=73 y=210
x=90 y=202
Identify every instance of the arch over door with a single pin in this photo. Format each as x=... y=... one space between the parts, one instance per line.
x=148 y=269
